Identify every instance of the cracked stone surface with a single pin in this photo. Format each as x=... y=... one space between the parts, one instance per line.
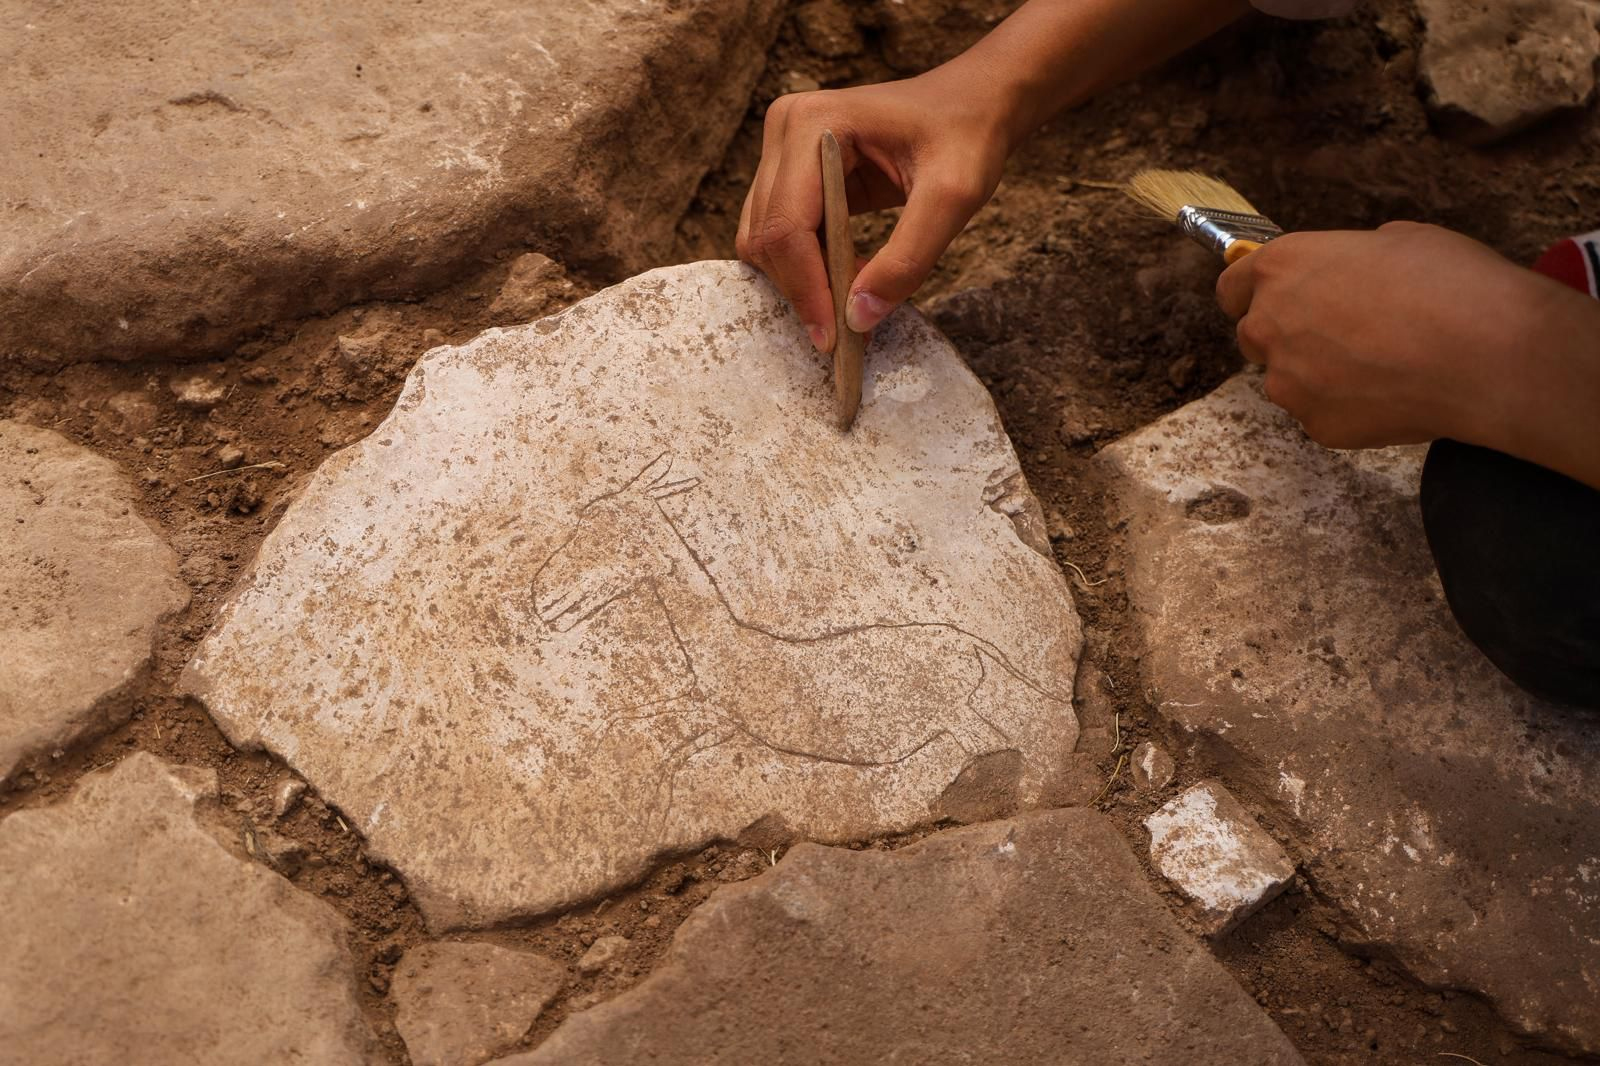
x=460 y=1004
x=611 y=585
x=1031 y=940
x=84 y=581
x=1295 y=631
x=132 y=935
x=1206 y=843
x=1495 y=68
x=173 y=175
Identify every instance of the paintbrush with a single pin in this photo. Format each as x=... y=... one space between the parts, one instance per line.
x=1209 y=210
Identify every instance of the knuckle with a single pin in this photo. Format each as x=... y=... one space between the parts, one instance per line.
x=1222 y=288
x=898 y=265
x=1256 y=331
x=777 y=232
x=781 y=108
x=1281 y=391
x=1402 y=227
x=958 y=194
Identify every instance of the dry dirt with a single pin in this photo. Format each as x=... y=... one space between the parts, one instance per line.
x=1094 y=321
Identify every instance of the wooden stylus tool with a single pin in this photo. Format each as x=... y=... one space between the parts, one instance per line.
x=848 y=345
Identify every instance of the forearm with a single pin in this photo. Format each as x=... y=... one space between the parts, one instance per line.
x=1550 y=412
x=1052 y=54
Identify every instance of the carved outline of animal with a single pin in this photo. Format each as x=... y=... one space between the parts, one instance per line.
x=866 y=706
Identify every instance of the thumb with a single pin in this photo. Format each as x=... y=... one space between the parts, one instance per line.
x=935 y=212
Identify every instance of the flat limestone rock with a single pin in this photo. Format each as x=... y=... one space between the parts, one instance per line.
x=1031 y=940
x=1206 y=843
x=460 y=1004
x=176 y=178
x=611 y=585
x=84 y=581
x=133 y=936
x=1294 y=628
x=1497 y=67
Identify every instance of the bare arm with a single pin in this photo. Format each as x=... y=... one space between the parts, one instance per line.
x=937 y=143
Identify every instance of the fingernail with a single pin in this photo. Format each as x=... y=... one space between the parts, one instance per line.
x=864 y=311
x=819 y=337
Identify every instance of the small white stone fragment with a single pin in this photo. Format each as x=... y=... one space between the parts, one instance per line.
x=198 y=393
x=286 y=797
x=1206 y=844
x=1152 y=768
x=602 y=953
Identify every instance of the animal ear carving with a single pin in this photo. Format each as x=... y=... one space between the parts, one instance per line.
x=652 y=480
x=653 y=472
x=661 y=492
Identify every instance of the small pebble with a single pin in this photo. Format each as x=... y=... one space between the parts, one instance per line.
x=286 y=797
x=602 y=953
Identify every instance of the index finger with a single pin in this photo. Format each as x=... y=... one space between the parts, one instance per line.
x=1237 y=287
x=785 y=236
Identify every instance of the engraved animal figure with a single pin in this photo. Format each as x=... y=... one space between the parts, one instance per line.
x=866 y=695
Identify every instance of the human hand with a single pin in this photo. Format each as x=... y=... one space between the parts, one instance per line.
x=930 y=143
x=1412 y=332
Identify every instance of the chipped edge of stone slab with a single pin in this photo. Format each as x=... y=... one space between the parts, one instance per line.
x=1209 y=846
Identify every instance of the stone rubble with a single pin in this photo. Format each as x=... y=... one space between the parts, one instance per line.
x=134 y=936
x=1031 y=940
x=533 y=631
x=1294 y=630
x=1206 y=844
x=461 y=1004
x=86 y=582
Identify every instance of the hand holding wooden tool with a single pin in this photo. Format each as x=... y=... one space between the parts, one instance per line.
x=848 y=345
x=1209 y=210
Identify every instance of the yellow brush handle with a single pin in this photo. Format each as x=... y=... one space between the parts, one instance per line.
x=1238 y=250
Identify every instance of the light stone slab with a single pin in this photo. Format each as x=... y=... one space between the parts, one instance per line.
x=132 y=936
x=1206 y=843
x=1294 y=630
x=177 y=177
x=611 y=586
x=84 y=582
x=1032 y=940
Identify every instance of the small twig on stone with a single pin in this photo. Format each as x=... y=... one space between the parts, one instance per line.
x=271 y=464
x=1090 y=183
x=1116 y=727
x=341 y=823
x=1110 y=780
x=1083 y=577
x=1453 y=1055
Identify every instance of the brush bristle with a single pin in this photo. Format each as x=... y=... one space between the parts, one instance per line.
x=1166 y=192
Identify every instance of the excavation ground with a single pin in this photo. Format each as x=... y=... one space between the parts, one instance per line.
x=1084 y=319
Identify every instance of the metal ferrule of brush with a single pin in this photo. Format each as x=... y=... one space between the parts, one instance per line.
x=1219 y=230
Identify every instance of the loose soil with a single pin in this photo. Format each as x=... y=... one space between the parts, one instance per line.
x=1085 y=320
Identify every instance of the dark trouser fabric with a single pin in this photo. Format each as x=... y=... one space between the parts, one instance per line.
x=1518 y=552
